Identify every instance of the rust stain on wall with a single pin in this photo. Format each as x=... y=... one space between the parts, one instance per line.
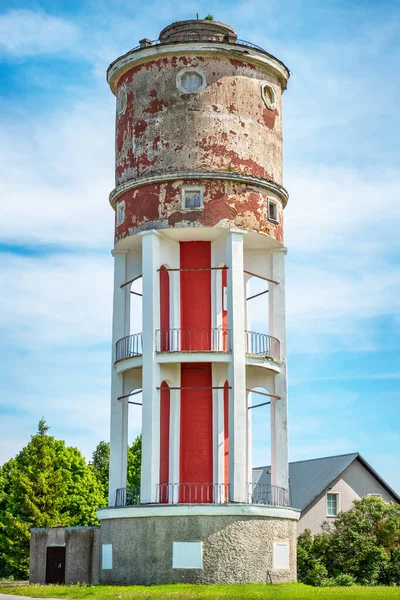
x=226 y=204
x=240 y=133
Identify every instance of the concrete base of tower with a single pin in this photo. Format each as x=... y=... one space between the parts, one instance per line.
x=229 y=543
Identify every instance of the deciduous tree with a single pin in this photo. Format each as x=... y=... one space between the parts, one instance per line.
x=45 y=485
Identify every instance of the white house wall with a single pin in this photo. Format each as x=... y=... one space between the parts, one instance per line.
x=354 y=483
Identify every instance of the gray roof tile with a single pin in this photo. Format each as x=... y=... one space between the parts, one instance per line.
x=308 y=478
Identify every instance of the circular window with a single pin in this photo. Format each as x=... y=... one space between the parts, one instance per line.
x=268 y=95
x=122 y=99
x=190 y=81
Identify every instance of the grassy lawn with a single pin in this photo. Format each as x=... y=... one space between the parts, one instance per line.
x=200 y=592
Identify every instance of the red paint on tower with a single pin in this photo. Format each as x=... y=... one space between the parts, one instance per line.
x=195 y=295
x=226 y=433
x=164 y=440
x=196 y=459
x=164 y=309
x=196 y=456
x=224 y=308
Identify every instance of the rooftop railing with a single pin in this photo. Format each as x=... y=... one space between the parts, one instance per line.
x=198 y=37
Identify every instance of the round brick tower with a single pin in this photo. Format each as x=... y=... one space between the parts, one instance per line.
x=199 y=215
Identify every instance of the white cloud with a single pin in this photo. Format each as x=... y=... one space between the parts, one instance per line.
x=55 y=301
x=56 y=174
x=25 y=33
x=341 y=210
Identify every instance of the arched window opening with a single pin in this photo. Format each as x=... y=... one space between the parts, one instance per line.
x=259 y=426
x=258 y=341
x=136 y=306
x=134 y=450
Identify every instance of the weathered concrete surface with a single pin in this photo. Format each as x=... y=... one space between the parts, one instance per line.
x=235 y=549
x=82 y=553
x=226 y=204
x=225 y=126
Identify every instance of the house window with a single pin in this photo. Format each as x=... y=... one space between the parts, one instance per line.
x=375 y=495
x=190 y=81
x=120 y=212
x=332 y=504
x=268 y=95
x=272 y=210
x=192 y=198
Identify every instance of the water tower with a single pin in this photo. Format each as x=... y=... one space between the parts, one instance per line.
x=198 y=217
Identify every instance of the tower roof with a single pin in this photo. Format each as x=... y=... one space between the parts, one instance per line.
x=197 y=30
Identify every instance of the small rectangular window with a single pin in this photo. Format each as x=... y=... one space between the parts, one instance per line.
x=272 y=210
x=375 y=495
x=192 y=198
x=120 y=212
x=332 y=504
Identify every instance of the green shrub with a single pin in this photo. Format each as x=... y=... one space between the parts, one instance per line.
x=343 y=580
x=317 y=575
x=362 y=546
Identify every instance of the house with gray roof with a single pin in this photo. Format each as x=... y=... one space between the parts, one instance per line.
x=323 y=487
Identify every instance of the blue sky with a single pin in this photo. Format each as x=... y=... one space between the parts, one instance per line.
x=341 y=155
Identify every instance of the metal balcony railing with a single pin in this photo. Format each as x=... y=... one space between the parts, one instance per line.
x=129 y=346
x=261 y=344
x=215 y=339
x=127 y=496
x=192 y=493
x=193 y=340
x=270 y=495
x=206 y=493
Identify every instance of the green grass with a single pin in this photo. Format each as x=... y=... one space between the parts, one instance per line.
x=200 y=592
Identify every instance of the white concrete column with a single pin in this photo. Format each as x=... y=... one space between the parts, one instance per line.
x=279 y=410
x=119 y=408
x=151 y=371
x=237 y=368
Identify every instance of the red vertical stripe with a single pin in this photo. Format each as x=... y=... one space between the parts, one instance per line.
x=196 y=452
x=224 y=309
x=164 y=440
x=195 y=295
x=164 y=309
x=226 y=433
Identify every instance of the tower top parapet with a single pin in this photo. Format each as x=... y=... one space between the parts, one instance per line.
x=197 y=30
